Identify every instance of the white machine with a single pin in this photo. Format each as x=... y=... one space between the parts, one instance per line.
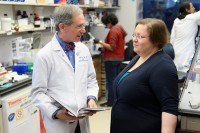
x=17 y=114
x=189 y=103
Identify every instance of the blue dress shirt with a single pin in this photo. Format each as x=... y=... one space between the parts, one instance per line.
x=70 y=53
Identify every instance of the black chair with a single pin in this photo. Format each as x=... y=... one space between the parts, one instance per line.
x=129 y=53
x=169 y=49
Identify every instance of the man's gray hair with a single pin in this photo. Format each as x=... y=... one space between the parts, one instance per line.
x=64 y=14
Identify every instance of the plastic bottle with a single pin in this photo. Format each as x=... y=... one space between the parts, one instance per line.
x=36 y=20
x=31 y=18
x=91 y=3
x=115 y=3
x=19 y=14
x=5 y=23
x=62 y=2
x=94 y=47
x=24 y=15
x=41 y=21
x=47 y=22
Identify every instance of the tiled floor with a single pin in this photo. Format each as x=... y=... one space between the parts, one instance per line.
x=100 y=122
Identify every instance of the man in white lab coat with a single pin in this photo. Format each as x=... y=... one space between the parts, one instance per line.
x=65 y=75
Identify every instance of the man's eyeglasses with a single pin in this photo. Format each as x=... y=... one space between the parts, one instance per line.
x=80 y=27
x=139 y=37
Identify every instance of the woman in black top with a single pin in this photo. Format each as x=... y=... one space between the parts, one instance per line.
x=146 y=91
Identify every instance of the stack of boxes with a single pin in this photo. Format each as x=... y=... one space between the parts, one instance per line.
x=100 y=74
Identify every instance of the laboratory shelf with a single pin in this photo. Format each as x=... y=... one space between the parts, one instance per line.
x=52 y=5
x=27 y=4
x=23 y=30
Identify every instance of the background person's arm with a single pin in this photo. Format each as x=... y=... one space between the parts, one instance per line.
x=106 y=45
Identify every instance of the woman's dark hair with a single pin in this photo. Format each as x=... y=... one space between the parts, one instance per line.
x=110 y=18
x=182 y=9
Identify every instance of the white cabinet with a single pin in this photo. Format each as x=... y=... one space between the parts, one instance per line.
x=18 y=115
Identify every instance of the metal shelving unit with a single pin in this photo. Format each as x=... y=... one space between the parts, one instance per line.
x=27 y=4
x=21 y=31
x=51 y=5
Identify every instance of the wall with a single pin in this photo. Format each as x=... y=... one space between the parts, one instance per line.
x=130 y=11
x=99 y=32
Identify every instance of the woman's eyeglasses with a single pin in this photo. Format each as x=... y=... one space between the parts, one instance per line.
x=139 y=37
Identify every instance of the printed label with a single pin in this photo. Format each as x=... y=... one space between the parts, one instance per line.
x=19 y=114
x=11 y=117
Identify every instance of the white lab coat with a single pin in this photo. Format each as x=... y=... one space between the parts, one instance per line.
x=183 y=38
x=54 y=78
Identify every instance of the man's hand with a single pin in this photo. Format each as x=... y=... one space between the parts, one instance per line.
x=92 y=104
x=63 y=115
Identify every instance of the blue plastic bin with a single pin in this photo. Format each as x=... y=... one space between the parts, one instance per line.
x=20 y=68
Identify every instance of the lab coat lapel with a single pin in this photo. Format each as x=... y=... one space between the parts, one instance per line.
x=77 y=54
x=59 y=51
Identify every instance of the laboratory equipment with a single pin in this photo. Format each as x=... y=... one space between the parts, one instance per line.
x=189 y=104
x=17 y=113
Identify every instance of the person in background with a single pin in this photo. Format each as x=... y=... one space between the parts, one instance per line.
x=183 y=34
x=146 y=91
x=113 y=49
x=63 y=71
